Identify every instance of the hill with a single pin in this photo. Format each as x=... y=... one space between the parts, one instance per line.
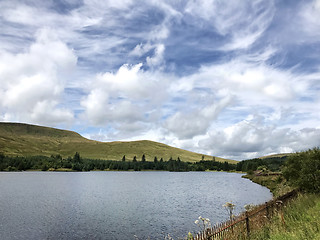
x=17 y=139
x=279 y=155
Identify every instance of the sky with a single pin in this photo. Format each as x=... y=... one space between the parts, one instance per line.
x=235 y=79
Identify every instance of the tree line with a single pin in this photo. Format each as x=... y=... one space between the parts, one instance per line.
x=301 y=169
x=273 y=164
x=78 y=163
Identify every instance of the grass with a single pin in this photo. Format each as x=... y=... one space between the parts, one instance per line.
x=297 y=220
x=18 y=139
x=300 y=221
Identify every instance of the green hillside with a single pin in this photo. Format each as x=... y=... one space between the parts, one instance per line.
x=18 y=139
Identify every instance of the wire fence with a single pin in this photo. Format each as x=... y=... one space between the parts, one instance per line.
x=240 y=226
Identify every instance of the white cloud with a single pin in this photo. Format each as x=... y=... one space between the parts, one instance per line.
x=141 y=49
x=253 y=138
x=253 y=83
x=47 y=112
x=32 y=82
x=189 y=125
x=310 y=14
x=157 y=59
x=128 y=82
x=24 y=14
x=129 y=95
x=152 y=61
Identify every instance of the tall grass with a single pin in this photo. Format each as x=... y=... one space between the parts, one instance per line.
x=298 y=220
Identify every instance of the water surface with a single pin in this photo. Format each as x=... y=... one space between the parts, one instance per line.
x=117 y=205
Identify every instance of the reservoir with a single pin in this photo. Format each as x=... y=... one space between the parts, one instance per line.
x=118 y=205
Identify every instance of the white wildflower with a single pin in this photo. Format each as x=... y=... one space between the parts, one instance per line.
x=248 y=207
x=229 y=205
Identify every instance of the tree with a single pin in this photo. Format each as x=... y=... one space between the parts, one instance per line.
x=124 y=158
x=226 y=166
x=2 y=157
x=76 y=167
x=45 y=168
x=134 y=159
x=76 y=157
x=239 y=166
x=22 y=166
x=303 y=170
x=143 y=159
x=155 y=160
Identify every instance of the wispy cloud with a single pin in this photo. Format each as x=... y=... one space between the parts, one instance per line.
x=310 y=16
x=241 y=23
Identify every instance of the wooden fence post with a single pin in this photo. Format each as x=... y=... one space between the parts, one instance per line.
x=267 y=211
x=247 y=224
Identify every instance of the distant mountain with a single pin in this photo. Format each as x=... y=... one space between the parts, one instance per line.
x=17 y=139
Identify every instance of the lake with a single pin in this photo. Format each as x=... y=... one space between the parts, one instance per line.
x=117 y=205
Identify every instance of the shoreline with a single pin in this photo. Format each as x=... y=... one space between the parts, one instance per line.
x=112 y=170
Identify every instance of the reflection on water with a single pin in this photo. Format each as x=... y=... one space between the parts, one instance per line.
x=117 y=205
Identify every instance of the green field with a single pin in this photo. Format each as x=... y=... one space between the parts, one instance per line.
x=18 y=139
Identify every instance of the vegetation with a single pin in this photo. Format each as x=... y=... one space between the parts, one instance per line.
x=28 y=140
x=77 y=163
x=299 y=220
x=290 y=215
x=272 y=163
x=302 y=170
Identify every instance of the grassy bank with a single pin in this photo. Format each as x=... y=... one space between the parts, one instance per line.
x=276 y=183
x=298 y=220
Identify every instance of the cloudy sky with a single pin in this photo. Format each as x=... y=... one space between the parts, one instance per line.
x=236 y=79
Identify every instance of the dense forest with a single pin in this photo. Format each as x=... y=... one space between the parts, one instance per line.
x=77 y=163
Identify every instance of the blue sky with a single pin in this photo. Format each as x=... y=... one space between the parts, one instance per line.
x=235 y=79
